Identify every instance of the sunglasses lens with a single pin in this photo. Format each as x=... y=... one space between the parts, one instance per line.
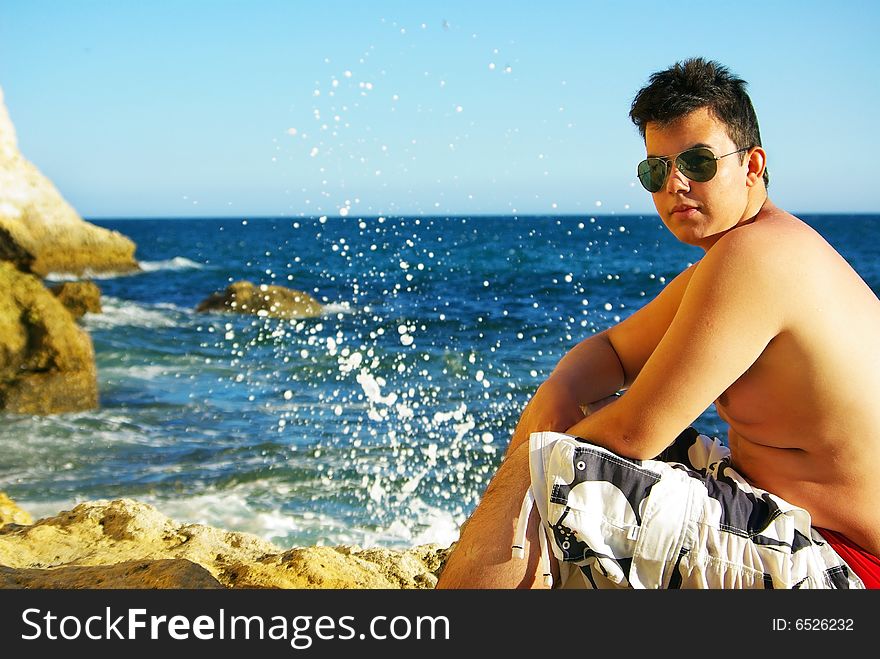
x=697 y=164
x=652 y=174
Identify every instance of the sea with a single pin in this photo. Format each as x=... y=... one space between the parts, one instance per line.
x=379 y=423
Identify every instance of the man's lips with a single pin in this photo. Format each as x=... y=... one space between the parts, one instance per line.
x=683 y=209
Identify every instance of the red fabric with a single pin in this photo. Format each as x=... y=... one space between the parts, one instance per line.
x=865 y=565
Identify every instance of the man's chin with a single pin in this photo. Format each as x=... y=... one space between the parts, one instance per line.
x=689 y=235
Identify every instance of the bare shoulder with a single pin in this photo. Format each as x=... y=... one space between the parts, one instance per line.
x=776 y=245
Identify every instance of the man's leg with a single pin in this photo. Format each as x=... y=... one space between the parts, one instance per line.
x=483 y=557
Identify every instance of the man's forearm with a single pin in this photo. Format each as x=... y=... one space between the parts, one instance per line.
x=591 y=371
x=588 y=373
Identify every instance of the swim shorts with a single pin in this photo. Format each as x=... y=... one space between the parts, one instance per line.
x=686 y=519
x=860 y=561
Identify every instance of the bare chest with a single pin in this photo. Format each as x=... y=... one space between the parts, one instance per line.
x=754 y=399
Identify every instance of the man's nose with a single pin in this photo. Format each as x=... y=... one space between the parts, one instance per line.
x=676 y=181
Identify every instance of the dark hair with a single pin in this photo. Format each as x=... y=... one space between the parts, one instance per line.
x=693 y=84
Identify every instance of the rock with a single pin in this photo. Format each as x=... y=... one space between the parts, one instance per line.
x=171 y=573
x=78 y=297
x=340 y=567
x=42 y=230
x=128 y=544
x=273 y=301
x=47 y=362
x=11 y=513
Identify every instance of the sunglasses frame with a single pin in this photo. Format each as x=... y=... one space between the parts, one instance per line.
x=667 y=160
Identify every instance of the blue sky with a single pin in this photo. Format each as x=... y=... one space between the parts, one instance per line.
x=286 y=108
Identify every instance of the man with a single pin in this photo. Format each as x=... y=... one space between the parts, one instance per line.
x=772 y=325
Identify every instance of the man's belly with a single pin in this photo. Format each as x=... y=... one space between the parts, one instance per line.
x=772 y=468
x=830 y=487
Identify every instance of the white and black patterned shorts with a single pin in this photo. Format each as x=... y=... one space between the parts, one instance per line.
x=686 y=519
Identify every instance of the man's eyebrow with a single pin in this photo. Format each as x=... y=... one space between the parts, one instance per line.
x=693 y=146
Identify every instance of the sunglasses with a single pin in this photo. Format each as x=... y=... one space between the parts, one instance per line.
x=698 y=164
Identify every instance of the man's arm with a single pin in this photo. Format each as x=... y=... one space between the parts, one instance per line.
x=600 y=365
x=588 y=372
x=595 y=368
x=733 y=307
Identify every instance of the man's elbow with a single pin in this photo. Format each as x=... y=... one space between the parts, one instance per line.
x=633 y=444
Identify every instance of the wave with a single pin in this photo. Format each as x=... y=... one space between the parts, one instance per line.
x=232 y=510
x=149 y=372
x=419 y=524
x=177 y=263
x=332 y=308
x=124 y=313
x=90 y=274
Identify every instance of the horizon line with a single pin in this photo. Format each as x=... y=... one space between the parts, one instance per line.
x=90 y=218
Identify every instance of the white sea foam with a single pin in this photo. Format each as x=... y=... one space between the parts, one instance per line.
x=122 y=313
x=419 y=523
x=438 y=526
x=337 y=308
x=89 y=274
x=231 y=511
x=151 y=372
x=177 y=263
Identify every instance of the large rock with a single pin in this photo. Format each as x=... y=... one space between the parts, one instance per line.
x=47 y=362
x=128 y=544
x=39 y=228
x=265 y=300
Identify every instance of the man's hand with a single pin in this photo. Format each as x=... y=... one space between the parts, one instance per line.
x=553 y=407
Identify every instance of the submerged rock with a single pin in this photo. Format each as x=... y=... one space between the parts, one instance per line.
x=272 y=301
x=40 y=231
x=128 y=544
x=78 y=297
x=47 y=362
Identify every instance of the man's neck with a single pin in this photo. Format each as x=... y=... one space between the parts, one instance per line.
x=759 y=203
x=758 y=199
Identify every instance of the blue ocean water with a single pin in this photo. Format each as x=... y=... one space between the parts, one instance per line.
x=379 y=423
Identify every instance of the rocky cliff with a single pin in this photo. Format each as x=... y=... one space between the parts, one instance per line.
x=39 y=228
x=47 y=362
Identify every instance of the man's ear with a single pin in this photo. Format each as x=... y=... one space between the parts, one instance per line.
x=757 y=163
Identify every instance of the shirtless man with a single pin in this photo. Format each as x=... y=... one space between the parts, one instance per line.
x=771 y=324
